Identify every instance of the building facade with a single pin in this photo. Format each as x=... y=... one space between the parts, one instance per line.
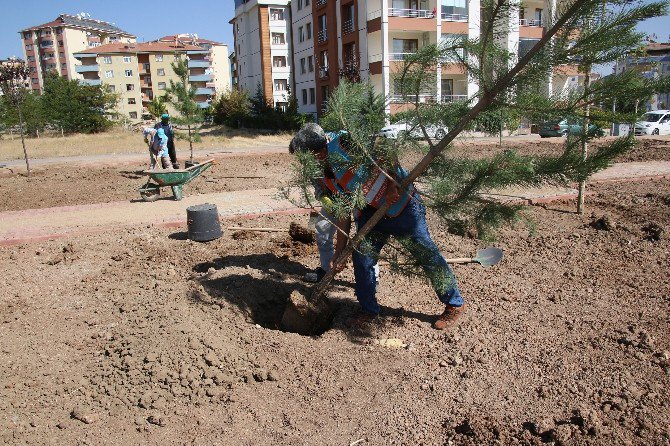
x=215 y=61
x=139 y=72
x=50 y=47
x=373 y=37
x=653 y=64
x=263 y=48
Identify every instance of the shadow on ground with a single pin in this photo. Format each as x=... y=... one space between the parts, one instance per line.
x=262 y=292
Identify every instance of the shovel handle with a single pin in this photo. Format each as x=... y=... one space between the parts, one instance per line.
x=239 y=228
x=460 y=260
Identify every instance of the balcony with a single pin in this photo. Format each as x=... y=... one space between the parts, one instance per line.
x=321 y=2
x=411 y=98
x=90 y=81
x=86 y=68
x=203 y=104
x=447 y=98
x=400 y=56
x=455 y=17
x=322 y=36
x=197 y=52
x=208 y=91
x=198 y=64
x=348 y=26
x=413 y=13
x=323 y=73
x=200 y=78
x=530 y=22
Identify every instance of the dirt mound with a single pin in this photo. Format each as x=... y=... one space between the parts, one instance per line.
x=300 y=233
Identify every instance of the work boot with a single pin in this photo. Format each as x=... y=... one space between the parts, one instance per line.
x=449 y=318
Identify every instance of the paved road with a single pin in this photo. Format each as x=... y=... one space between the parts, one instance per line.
x=41 y=224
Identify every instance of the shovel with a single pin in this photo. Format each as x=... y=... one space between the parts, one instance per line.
x=485 y=257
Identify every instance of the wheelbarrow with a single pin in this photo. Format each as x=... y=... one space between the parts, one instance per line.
x=175 y=178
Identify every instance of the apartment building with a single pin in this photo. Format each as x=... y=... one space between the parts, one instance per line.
x=50 y=47
x=373 y=37
x=263 y=48
x=139 y=72
x=233 y=70
x=653 y=64
x=215 y=62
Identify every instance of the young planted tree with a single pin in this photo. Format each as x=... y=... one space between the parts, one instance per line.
x=13 y=77
x=181 y=95
x=458 y=188
x=157 y=106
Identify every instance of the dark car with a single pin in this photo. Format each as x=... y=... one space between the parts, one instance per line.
x=565 y=127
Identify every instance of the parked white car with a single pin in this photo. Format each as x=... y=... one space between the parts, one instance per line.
x=654 y=123
x=393 y=131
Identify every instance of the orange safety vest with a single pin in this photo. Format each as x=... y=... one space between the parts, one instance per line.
x=373 y=185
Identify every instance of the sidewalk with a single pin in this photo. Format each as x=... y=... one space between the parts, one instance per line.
x=42 y=224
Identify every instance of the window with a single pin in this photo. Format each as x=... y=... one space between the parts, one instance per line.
x=29 y=46
x=310 y=63
x=279 y=61
x=447 y=87
x=59 y=31
x=302 y=66
x=159 y=57
x=306 y=2
x=276 y=13
x=131 y=101
x=451 y=8
x=538 y=16
x=281 y=84
x=35 y=80
x=161 y=85
x=145 y=67
x=31 y=58
x=349 y=53
x=107 y=59
x=133 y=115
x=127 y=59
x=129 y=73
x=312 y=95
x=46 y=43
x=304 y=96
x=161 y=72
x=308 y=30
x=38 y=33
x=323 y=28
x=26 y=35
x=112 y=88
x=401 y=47
x=324 y=94
x=299 y=5
x=348 y=19
x=301 y=34
x=109 y=74
x=130 y=87
x=278 y=38
x=61 y=55
x=456 y=40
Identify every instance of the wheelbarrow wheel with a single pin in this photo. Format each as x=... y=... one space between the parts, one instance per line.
x=150 y=193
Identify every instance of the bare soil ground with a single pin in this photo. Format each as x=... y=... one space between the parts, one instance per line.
x=144 y=337
x=61 y=185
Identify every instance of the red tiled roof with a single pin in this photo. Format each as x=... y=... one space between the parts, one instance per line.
x=57 y=22
x=187 y=39
x=145 y=47
x=658 y=46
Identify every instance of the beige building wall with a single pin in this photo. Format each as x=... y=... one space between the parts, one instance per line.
x=161 y=82
x=221 y=68
x=121 y=82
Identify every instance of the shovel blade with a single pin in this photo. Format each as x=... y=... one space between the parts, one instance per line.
x=488 y=256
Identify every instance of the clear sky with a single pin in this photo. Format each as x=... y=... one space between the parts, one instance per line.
x=149 y=20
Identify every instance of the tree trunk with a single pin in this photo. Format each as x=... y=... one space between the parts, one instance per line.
x=23 y=142
x=585 y=143
x=190 y=141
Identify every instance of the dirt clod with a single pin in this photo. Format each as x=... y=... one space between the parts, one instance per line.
x=653 y=231
x=300 y=233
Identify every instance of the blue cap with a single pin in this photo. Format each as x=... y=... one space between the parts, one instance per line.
x=165 y=116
